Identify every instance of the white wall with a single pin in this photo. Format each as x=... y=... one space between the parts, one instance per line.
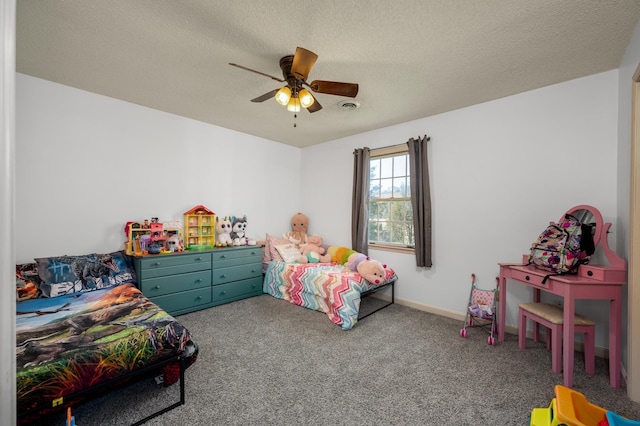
x=500 y=171
x=87 y=164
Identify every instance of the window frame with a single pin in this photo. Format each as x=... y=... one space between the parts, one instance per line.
x=376 y=154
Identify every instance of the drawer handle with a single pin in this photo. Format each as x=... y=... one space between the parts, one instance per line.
x=223 y=276
x=199 y=297
x=198 y=280
x=527 y=278
x=223 y=257
x=157 y=287
x=590 y=273
x=156 y=263
x=222 y=293
x=198 y=259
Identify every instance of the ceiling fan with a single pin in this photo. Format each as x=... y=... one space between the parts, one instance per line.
x=295 y=70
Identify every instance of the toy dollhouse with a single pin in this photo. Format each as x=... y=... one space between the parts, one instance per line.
x=151 y=237
x=199 y=225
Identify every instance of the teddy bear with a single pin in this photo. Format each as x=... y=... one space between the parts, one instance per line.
x=223 y=231
x=371 y=270
x=313 y=251
x=298 y=234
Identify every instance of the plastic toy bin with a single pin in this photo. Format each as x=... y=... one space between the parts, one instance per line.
x=568 y=408
x=575 y=410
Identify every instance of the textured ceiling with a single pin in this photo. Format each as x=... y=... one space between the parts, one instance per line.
x=412 y=58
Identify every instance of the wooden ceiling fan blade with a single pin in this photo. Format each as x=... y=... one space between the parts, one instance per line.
x=303 y=61
x=334 y=88
x=315 y=106
x=257 y=72
x=266 y=96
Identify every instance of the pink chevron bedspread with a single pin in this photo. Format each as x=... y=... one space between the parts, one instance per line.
x=330 y=288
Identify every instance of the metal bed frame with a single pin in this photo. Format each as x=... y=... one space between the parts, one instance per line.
x=375 y=290
x=66 y=401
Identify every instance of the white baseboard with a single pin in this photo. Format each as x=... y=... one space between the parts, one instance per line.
x=430 y=309
x=599 y=351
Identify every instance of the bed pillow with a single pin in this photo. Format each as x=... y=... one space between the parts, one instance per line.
x=289 y=252
x=27 y=282
x=270 y=247
x=62 y=275
x=266 y=255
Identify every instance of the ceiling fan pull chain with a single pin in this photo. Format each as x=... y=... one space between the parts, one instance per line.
x=294 y=119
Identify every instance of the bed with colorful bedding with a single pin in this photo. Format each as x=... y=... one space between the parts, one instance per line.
x=97 y=335
x=327 y=287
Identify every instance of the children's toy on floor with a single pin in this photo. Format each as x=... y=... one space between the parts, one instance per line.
x=481 y=311
x=71 y=420
x=571 y=408
x=614 y=419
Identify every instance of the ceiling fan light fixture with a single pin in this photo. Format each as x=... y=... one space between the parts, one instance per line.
x=295 y=70
x=306 y=99
x=283 y=96
x=294 y=105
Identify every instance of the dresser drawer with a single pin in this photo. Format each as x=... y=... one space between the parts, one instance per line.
x=152 y=267
x=235 y=273
x=602 y=273
x=236 y=257
x=239 y=289
x=529 y=278
x=175 y=283
x=186 y=299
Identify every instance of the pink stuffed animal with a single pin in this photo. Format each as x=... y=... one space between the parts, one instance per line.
x=371 y=270
x=312 y=252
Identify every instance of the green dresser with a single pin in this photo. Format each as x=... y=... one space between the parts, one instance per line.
x=185 y=282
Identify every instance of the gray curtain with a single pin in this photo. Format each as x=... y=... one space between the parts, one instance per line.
x=360 y=202
x=420 y=199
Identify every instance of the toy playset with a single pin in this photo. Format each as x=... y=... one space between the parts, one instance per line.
x=571 y=408
x=153 y=237
x=203 y=230
x=199 y=225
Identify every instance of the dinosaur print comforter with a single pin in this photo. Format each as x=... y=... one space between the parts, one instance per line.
x=67 y=344
x=330 y=288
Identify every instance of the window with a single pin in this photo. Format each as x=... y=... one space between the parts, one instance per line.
x=390 y=211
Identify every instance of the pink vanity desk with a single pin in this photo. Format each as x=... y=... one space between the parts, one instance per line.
x=591 y=282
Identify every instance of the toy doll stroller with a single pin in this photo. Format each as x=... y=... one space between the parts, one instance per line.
x=481 y=311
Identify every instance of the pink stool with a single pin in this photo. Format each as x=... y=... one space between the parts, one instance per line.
x=551 y=316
